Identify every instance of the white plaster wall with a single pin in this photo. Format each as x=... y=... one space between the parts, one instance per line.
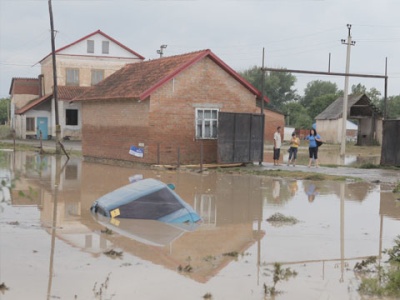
x=114 y=49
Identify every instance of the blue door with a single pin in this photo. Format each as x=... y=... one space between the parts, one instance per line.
x=42 y=127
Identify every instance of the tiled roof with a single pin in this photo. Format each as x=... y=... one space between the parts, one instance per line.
x=70 y=92
x=33 y=103
x=139 y=80
x=91 y=34
x=24 y=86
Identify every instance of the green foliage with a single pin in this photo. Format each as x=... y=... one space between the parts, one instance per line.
x=278 y=274
x=394 y=252
x=397 y=188
x=316 y=89
x=296 y=115
x=382 y=280
x=4 y=110
x=5 y=131
x=393 y=107
x=320 y=103
x=278 y=86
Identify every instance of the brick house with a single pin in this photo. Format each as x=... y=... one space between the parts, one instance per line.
x=167 y=107
x=80 y=65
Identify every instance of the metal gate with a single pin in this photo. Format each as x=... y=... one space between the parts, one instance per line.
x=240 y=137
x=390 y=151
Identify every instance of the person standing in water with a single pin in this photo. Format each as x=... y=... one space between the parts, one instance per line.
x=313 y=137
x=294 y=146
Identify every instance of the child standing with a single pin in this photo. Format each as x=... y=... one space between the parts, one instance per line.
x=294 y=146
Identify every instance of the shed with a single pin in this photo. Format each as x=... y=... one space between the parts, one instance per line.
x=360 y=108
x=163 y=109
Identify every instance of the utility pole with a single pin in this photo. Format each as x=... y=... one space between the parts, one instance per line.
x=55 y=88
x=262 y=109
x=385 y=97
x=349 y=43
x=161 y=51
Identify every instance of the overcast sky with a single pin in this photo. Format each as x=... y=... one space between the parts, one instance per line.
x=296 y=34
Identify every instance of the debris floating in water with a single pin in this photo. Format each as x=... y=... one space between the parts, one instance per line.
x=280 y=219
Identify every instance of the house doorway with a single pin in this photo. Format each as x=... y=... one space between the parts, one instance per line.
x=42 y=127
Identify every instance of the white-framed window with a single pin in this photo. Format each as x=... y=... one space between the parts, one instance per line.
x=72 y=77
x=90 y=46
x=30 y=124
x=97 y=76
x=206 y=123
x=105 y=47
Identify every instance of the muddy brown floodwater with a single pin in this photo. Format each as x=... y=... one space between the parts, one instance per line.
x=52 y=248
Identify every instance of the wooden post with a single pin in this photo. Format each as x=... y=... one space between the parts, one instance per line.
x=201 y=156
x=158 y=153
x=179 y=156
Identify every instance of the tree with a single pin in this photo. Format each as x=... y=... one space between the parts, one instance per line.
x=358 y=89
x=318 y=88
x=319 y=104
x=278 y=86
x=4 y=110
x=296 y=115
x=393 y=107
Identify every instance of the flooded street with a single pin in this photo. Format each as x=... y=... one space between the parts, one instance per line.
x=51 y=247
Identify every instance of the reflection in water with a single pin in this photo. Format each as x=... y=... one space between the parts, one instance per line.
x=311 y=191
x=344 y=223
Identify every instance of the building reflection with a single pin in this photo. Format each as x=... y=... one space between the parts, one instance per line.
x=230 y=206
x=64 y=201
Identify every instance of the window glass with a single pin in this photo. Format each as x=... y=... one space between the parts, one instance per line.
x=71 y=117
x=206 y=123
x=30 y=124
x=90 y=46
x=72 y=77
x=105 y=47
x=97 y=76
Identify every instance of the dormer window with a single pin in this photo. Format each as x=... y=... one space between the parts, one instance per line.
x=105 y=47
x=90 y=46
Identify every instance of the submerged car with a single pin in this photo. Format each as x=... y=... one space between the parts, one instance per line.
x=147 y=199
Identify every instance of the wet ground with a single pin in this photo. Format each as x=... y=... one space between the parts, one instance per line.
x=52 y=248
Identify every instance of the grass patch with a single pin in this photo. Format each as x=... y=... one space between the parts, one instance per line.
x=369 y=166
x=329 y=165
x=397 y=188
x=381 y=280
x=286 y=174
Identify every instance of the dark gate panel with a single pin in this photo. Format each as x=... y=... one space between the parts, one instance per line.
x=240 y=137
x=390 y=150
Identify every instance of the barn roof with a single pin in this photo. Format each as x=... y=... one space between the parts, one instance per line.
x=357 y=106
x=140 y=80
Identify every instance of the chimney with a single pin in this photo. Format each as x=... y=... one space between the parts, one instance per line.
x=41 y=85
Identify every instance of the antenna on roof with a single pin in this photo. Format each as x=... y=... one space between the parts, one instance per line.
x=162 y=47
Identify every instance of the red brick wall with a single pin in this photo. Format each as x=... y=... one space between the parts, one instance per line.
x=166 y=121
x=272 y=121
